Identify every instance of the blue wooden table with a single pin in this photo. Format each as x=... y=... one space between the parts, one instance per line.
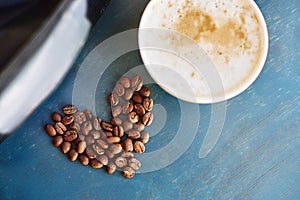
x=256 y=157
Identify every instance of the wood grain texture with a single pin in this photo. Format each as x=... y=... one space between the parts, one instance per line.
x=256 y=157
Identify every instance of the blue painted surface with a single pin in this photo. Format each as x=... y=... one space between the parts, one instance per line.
x=256 y=157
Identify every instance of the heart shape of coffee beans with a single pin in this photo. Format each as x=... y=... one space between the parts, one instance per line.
x=95 y=142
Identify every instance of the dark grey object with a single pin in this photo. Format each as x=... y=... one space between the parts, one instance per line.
x=40 y=40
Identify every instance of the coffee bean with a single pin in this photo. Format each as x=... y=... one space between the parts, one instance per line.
x=65 y=147
x=125 y=82
x=90 y=153
x=60 y=128
x=134 y=135
x=127 y=125
x=119 y=90
x=118 y=131
x=98 y=150
x=69 y=109
x=102 y=144
x=103 y=159
x=128 y=94
x=128 y=172
x=139 y=109
x=96 y=134
x=116 y=121
x=145 y=92
x=148 y=104
x=111 y=168
x=88 y=114
x=49 y=128
x=96 y=164
x=139 y=126
x=81 y=137
x=134 y=163
x=57 y=140
x=81 y=146
x=139 y=147
x=74 y=126
x=79 y=117
x=83 y=159
x=144 y=137
x=70 y=135
x=107 y=126
x=85 y=130
x=127 y=154
x=121 y=162
x=113 y=99
x=137 y=98
x=115 y=148
x=119 y=146
x=56 y=117
x=72 y=155
x=109 y=154
x=114 y=140
x=127 y=108
x=115 y=111
x=89 y=140
x=67 y=120
x=133 y=117
x=147 y=119
x=107 y=134
x=88 y=125
x=128 y=145
x=136 y=83
x=96 y=124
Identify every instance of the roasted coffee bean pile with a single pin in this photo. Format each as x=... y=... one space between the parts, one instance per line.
x=98 y=143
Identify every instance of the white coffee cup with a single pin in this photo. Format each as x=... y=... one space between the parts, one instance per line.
x=203 y=51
